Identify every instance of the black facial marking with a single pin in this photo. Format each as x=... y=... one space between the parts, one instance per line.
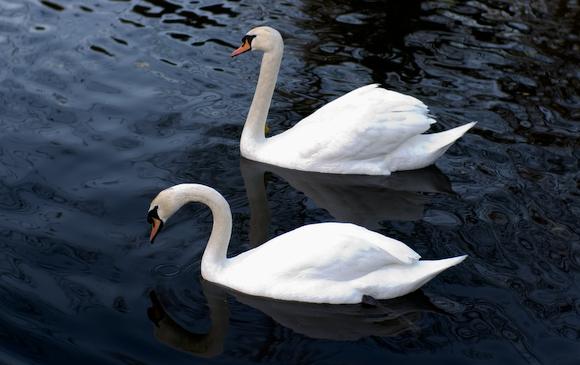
x=152 y=214
x=249 y=39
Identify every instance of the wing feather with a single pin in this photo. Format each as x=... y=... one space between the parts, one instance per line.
x=366 y=123
x=337 y=251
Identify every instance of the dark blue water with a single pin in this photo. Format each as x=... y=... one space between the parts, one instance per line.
x=104 y=103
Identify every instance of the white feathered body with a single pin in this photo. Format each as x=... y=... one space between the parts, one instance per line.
x=333 y=263
x=370 y=131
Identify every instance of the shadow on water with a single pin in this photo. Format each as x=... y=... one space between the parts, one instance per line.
x=320 y=321
x=105 y=103
x=359 y=199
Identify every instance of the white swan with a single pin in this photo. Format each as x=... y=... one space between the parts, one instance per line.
x=335 y=263
x=369 y=131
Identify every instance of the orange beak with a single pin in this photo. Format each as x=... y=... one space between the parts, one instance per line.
x=155 y=226
x=245 y=47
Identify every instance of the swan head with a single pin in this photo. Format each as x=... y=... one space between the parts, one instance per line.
x=165 y=204
x=170 y=200
x=260 y=39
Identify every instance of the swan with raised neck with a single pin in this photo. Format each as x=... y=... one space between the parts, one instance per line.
x=370 y=130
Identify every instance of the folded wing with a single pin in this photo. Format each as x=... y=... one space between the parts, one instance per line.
x=329 y=251
x=366 y=123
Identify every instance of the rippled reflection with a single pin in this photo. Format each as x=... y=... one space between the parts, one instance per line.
x=363 y=200
x=321 y=321
x=173 y=334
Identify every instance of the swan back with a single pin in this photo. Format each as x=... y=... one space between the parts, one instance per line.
x=330 y=263
x=327 y=251
x=352 y=134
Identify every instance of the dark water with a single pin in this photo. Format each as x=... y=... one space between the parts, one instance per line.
x=104 y=103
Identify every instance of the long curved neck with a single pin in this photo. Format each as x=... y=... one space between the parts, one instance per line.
x=215 y=254
x=253 y=133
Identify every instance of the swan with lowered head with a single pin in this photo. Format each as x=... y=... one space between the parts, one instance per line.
x=370 y=130
x=336 y=263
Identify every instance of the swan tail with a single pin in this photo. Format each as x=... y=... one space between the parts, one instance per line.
x=443 y=140
x=428 y=269
x=424 y=149
x=399 y=280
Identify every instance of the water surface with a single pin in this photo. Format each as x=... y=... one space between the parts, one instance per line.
x=104 y=103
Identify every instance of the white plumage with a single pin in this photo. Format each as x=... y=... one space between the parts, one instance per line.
x=334 y=263
x=370 y=130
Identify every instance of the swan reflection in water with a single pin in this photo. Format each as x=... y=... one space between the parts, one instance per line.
x=320 y=321
x=360 y=199
x=171 y=333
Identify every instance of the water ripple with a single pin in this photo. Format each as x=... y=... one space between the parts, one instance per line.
x=103 y=104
